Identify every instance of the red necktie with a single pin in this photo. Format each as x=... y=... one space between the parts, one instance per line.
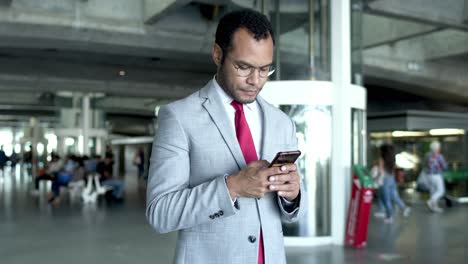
x=248 y=150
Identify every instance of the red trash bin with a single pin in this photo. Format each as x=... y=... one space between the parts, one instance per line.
x=359 y=208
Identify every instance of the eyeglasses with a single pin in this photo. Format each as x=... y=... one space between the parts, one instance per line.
x=247 y=70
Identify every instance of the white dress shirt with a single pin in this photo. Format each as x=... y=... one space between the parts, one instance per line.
x=253 y=115
x=252 y=112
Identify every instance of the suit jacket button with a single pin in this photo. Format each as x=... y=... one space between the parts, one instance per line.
x=220 y=212
x=252 y=239
x=212 y=216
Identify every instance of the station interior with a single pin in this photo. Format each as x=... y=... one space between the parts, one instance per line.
x=87 y=78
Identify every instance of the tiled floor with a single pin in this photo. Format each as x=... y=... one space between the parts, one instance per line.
x=33 y=232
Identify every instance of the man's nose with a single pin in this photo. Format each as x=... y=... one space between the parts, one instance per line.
x=254 y=78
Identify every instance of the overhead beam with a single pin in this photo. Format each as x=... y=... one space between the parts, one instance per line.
x=432 y=79
x=179 y=34
x=402 y=38
x=121 y=88
x=5 y=2
x=465 y=12
x=155 y=9
x=435 y=45
x=389 y=30
x=432 y=12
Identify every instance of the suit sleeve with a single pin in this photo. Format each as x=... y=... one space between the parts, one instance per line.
x=292 y=212
x=171 y=203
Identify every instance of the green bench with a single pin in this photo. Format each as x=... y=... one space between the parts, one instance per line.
x=452 y=177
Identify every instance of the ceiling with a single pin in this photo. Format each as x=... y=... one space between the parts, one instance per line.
x=144 y=53
x=416 y=47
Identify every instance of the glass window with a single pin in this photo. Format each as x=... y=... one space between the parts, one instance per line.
x=356 y=42
x=359 y=138
x=314 y=131
x=303 y=40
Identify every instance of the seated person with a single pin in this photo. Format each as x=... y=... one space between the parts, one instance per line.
x=104 y=168
x=48 y=173
x=63 y=177
x=90 y=164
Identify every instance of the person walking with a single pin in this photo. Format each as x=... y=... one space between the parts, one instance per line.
x=3 y=159
x=139 y=162
x=435 y=163
x=388 y=189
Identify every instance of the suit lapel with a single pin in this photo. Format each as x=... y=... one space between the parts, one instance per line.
x=215 y=109
x=266 y=128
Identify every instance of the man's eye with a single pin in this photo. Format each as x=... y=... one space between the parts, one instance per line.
x=243 y=67
x=265 y=69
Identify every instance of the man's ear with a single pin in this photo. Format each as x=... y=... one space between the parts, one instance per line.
x=217 y=54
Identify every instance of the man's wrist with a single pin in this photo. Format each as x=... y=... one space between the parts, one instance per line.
x=293 y=200
x=231 y=185
x=290 y=206
x=287 y=202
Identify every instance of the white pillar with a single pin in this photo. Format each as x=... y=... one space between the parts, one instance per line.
x=341 y=149
x=34 y=124
x=100 y=150
x=60 y=146
x=76 y=145
x=86 y=121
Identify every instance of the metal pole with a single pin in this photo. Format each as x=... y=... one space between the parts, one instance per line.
x=34 y=123
x=311 y=39
x=278 y=37
x=264 y=8
x=86 y=119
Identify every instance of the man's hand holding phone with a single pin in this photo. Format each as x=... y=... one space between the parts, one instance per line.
x=260 y=177
x=251 y=181
x=286 y=183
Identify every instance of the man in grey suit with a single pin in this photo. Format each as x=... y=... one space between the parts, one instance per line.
x=209 y=181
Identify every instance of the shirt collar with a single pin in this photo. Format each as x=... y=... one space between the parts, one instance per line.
x=226 y=99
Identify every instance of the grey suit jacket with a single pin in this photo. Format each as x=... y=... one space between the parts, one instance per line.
x=194 y=148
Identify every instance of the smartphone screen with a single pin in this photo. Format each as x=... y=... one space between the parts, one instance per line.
x=285 y=157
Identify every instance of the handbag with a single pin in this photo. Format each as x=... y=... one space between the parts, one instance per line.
x=137 y=160
x=423 y=182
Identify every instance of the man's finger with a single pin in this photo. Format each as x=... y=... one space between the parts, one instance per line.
x=282 y=178
x=288 y=168
x=282 y=187
x=279 y=179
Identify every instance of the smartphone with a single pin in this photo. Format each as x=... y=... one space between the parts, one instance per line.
x=285 y=157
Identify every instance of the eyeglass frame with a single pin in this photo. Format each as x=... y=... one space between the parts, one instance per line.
x=251 y=69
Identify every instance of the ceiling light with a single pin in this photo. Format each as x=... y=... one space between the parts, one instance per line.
x=122 y=73
x=409 y=133
x=69 y=141
x=446 y=132
x=381 y=134
x=413 y=66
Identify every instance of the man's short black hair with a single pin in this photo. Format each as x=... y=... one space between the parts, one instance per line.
x=255 y=22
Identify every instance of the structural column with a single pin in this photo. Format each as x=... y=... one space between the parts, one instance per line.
x=341 y=149
x=34 y=124
x=86 y=122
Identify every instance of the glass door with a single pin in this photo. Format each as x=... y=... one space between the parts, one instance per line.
x=309 y=104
